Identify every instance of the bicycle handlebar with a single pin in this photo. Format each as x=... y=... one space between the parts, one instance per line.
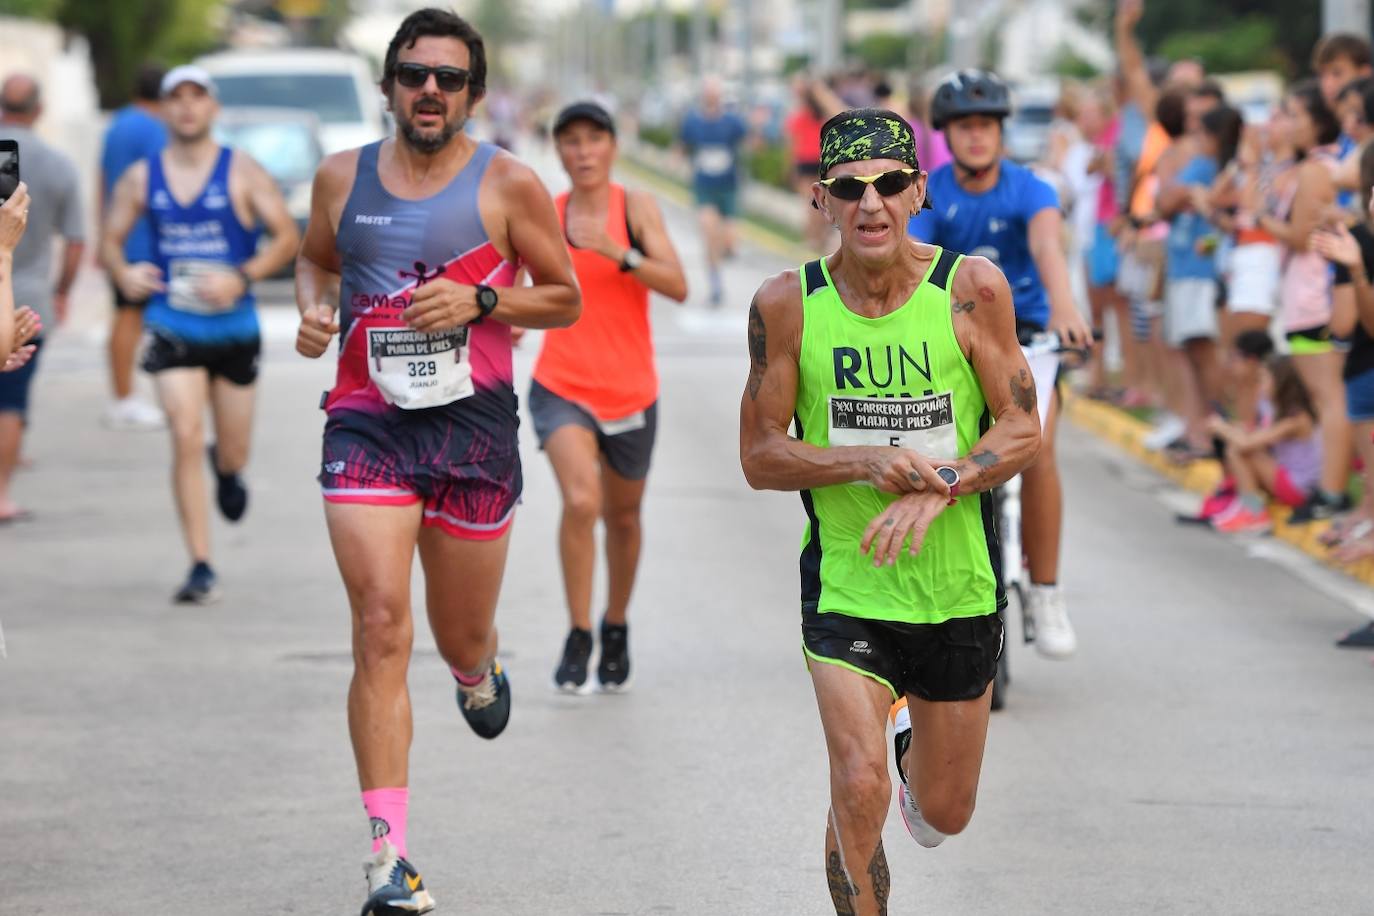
x=1046 y=343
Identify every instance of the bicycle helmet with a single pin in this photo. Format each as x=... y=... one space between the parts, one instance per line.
x=969 y=92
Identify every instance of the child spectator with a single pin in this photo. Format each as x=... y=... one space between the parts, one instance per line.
x=1279 y=458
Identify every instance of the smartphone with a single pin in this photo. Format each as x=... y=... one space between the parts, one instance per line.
x=9 y=168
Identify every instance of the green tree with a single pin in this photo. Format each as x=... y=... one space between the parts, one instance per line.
x=881 y=50
x=502 y=23
x=1248 y=44
x=1295 y=29
x=29 y=9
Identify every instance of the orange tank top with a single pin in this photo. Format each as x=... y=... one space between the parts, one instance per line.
x=604 y=362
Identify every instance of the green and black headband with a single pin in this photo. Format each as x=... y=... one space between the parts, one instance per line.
x=867 y=133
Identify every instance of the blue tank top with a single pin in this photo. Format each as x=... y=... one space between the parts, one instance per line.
x=191 y=240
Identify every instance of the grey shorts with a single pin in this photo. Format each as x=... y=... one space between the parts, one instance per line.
x=627 y=444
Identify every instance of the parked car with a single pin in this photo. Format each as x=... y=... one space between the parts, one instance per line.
x=285 y=141
x=336 y=86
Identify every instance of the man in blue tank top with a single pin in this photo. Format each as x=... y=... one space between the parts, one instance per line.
x=415 y=240
x=990 y=206
x=207 y=206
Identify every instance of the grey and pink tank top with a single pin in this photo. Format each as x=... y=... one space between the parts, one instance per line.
x=388 y=247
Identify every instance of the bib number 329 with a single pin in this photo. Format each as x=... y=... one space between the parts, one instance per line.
x=414 y=369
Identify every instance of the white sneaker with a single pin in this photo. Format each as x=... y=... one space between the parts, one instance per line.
x=916 y=824
x=133 y=414
x=393 y=885
x=1054 y=636
x=1169 y=429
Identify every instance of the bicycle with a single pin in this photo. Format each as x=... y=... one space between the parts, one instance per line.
x=1044 y=351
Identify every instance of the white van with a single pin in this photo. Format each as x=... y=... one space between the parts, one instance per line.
x=337 y=86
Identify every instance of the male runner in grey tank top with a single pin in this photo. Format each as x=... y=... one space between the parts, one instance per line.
x=417 y=239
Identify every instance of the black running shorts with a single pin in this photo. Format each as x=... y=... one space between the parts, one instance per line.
x=235 y=361
x=941 y=662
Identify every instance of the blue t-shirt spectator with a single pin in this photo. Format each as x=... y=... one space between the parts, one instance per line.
x=713 y=143
x=1188 y=228
x=133 y=135
x=994 y=225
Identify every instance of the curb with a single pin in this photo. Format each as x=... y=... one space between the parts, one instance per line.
x=1128 y=434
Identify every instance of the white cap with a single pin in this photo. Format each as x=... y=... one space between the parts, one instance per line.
x=188 y=73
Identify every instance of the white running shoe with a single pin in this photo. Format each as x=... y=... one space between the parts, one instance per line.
x=1054 y=636
x=916 y=824
x=393 y=885
x=133 y=414
x=1168 y=429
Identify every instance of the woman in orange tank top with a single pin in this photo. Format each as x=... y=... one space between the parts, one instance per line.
x=594 y=396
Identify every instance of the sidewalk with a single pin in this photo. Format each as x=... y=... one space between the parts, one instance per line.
x=1201 y=477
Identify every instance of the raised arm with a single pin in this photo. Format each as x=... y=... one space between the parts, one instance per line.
x=1131 y=60
x=771 y=458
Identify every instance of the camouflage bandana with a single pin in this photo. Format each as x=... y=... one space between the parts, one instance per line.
x=867 y=133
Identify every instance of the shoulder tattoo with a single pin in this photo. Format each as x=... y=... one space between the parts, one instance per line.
x=758 y=350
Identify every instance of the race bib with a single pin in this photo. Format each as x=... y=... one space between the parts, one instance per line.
x=183 y=282
x=715 y=160
x=415 y=369
x=925 y=424
x=628 y=424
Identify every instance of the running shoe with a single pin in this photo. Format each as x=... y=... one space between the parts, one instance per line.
x=1054 y=635
x=393 y=885
x=1358 y=638
x=201 y=586
x=613 y=671
x=571 y=676
x=486 y=705
x=133 y=414
x=1241 y=519
x=916 y=824
x=230 y=492
x=1318 y=507
x=1169 y=429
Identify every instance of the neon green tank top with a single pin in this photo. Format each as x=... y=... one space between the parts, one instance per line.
x=896 y=380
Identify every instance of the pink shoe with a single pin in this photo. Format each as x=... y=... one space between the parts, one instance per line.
x=1240 y=520
x=1216 y=505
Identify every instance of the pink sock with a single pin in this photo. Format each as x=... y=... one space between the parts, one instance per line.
x=387 y=810
x=468 y=680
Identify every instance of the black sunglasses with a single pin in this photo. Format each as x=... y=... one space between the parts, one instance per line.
x=448 y=79
x=852 y=187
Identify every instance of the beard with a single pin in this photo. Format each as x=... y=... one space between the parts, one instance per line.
x=428 y=140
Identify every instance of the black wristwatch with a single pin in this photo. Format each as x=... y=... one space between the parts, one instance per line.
x=486 y=300
x=632 y=260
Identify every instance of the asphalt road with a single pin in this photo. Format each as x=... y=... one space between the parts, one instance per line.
x=1207 y=751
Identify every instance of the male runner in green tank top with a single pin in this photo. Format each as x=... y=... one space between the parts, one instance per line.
x=899 y=364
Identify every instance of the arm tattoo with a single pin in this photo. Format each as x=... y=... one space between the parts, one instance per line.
x=842 y=890
x=1023 y=391
x=758 y=350
x=964 y=306
x=881 y=878
x=984 y=459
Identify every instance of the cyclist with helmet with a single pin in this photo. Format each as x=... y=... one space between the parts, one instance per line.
x=988 y=205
